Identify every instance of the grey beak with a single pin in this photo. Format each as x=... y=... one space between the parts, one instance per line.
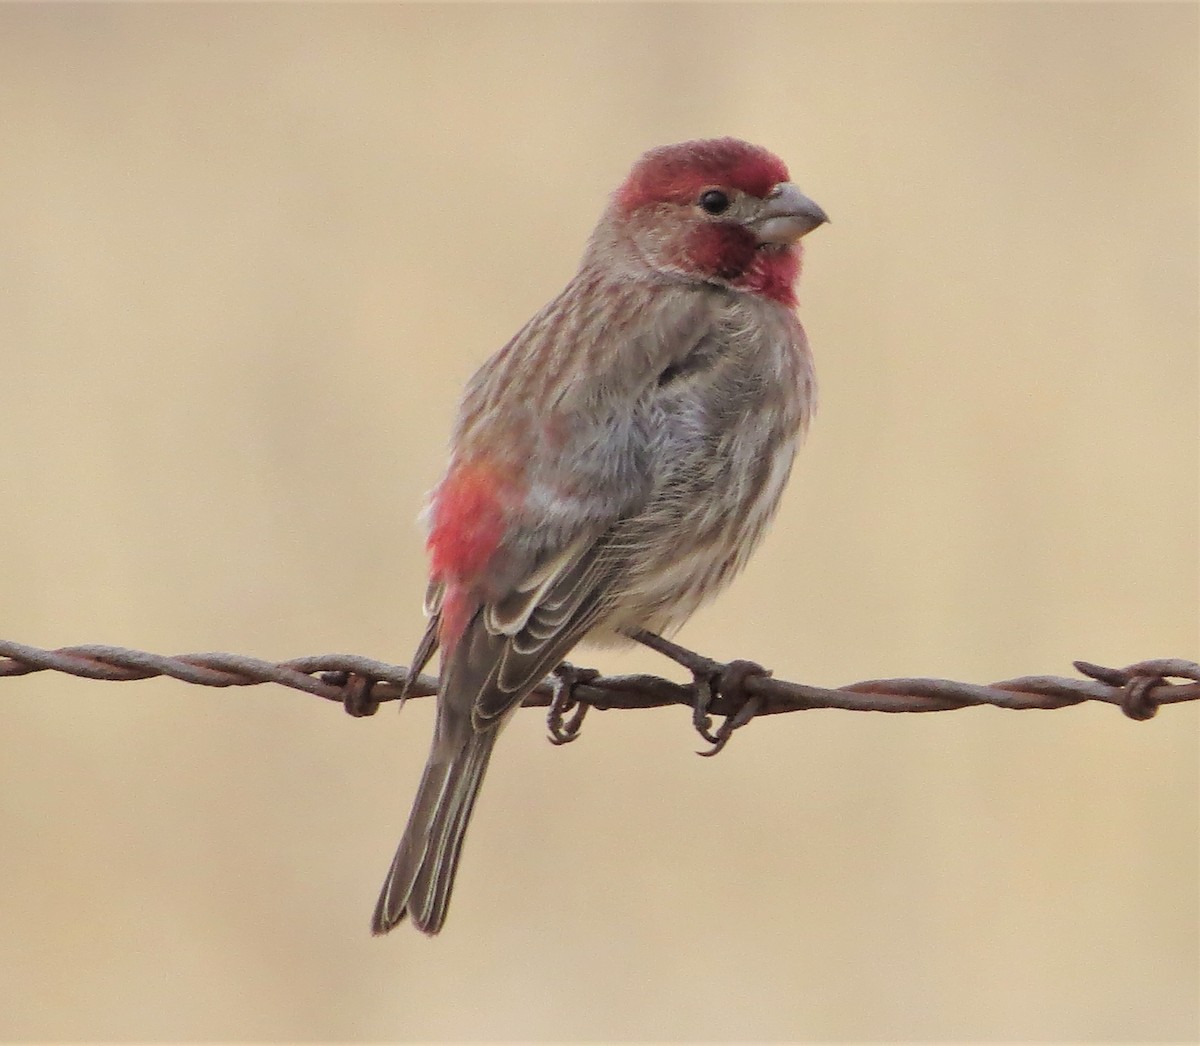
x=787 y=215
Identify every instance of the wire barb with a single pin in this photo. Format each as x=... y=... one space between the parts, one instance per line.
x=358 y=692
x=361 y=684
x=1140 y=682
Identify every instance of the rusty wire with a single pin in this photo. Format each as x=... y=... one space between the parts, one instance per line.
x=361 y=684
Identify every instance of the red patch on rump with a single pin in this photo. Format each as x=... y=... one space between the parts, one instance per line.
x=677 y=173
x=468 y=522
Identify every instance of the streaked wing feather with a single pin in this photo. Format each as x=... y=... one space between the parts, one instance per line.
x=560 y=604
x=519 y=672
x=519 y=661
x=509 y=615
x=546 y=622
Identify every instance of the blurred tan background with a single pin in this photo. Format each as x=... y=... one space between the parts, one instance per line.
x=249 y=255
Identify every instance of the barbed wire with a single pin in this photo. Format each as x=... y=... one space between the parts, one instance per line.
x=361 y=684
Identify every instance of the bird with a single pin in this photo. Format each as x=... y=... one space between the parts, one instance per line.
x=612 y=466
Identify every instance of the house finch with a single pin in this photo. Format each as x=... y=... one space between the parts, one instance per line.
x=612 y=466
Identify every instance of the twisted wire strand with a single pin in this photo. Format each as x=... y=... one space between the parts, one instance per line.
x=361 y=684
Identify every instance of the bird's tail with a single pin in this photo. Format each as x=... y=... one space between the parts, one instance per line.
x=422 y=872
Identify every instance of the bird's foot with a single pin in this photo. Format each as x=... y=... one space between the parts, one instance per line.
x=566 y=678
x=712 y=679
x=729 y=682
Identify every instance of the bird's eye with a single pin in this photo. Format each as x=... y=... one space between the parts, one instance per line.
x=713 y=201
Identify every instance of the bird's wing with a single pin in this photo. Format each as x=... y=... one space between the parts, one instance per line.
x=511 y=644
x=513 y=639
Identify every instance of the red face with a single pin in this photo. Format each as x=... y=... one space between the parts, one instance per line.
x=701 y=208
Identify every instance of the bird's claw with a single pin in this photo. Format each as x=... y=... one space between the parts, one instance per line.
x=711 y=679
x=706 y=676
x=728 y=681
x=566 y=678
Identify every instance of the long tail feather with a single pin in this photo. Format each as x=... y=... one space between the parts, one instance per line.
x=422 y=872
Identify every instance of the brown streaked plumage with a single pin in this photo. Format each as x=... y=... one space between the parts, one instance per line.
x=612 y=466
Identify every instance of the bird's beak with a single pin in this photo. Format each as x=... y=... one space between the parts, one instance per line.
x=787 y=215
